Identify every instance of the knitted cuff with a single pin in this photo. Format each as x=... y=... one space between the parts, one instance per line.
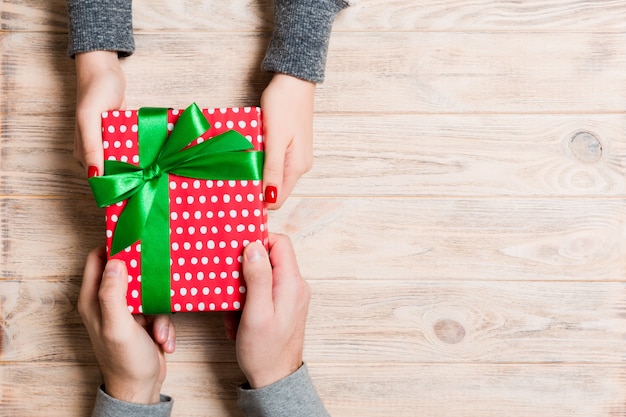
x=100 y=25
x=299 y=43
x=107 y=406
x=293 y=396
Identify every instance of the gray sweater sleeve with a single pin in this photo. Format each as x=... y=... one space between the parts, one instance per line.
x=292 y=396
x=298 y=46
x=299 y=42
x=100 y=25
x=107 y=406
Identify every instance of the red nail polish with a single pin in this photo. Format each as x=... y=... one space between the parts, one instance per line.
x=92 y=171
x=271 y=194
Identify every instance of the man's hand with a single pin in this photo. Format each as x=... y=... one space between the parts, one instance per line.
x=130 y=350
x=270 y=337
x=101 y=87
x=287 y=105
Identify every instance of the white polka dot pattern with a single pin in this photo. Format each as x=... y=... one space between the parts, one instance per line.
x=210 y=221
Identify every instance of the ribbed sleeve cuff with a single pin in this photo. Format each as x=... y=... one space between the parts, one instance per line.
x=100 y=25
x=293 y=396
x=299 y=42
x=107 y=406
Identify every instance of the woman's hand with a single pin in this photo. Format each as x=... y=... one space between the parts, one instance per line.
x=287 y=105
x=101 y=87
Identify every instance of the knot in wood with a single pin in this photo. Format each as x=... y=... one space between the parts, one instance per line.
x=449 y=331
x=585 y=147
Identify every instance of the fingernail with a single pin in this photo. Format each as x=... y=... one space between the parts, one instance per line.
x=255 y=252
x=271 y=194
x=170 y=346
x=92 y=171
x=113 y=268
x=164 y=333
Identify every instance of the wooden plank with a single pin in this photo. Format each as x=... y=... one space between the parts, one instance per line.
x=33 y=15
x=37 y=157
x=366 y=321
x=404 y=390
x=66 y=232
x=497 y=72
x=364 y=15
x=472 y=390
x=460 y=239
x=383 y=155
x=466 y=155
x=69 y=390
x=47 y=390
x=370 y=238
x=426 y=72
x=467 y=15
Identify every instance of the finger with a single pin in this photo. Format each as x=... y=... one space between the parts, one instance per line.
x=273 y=166
x=170 y=344
x=282 y=254
x=257 y=273
x=161 y=328
x=165 y=332
x=298 y=161
x=88 y=296
x=112 y=294
x=90 y=137
x=289 y=182
x=290 y=290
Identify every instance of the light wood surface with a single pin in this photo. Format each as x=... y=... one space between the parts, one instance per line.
x=462 y=228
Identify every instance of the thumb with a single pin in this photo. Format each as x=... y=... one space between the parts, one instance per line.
x=112 y=294
x=257 y=273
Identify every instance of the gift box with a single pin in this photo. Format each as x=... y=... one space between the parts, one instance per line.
x=183 y=196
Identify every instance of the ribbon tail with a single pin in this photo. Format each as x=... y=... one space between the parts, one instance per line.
x=133 y=218
x=155 y=254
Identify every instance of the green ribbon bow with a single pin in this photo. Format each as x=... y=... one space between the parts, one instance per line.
x=227 y=156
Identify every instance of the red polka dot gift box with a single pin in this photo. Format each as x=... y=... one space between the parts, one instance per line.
x=183 y=197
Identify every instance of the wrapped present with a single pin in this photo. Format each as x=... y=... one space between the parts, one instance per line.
x=183 y=197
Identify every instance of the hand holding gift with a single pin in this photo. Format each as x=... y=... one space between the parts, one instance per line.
x=130 y=350
x=270 y=336
x=101 y=86
x=288 y=115
x=287 y=105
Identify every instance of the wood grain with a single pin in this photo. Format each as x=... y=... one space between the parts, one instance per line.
x=364 y=15
x=371 y=239
x=404 y=390
x=375 y=72
x=460 y=239
x=366 y=321
x=383 y=155
x=462 y=229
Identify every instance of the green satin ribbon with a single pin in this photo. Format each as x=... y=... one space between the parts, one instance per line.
x=228 y=156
